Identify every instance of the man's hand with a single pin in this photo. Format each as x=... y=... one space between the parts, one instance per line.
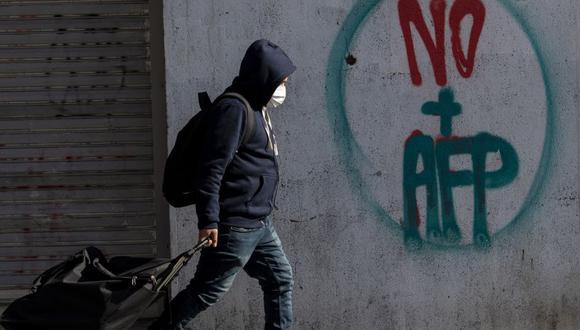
x=212 y=234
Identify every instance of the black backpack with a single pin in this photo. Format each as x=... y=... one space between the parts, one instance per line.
x=180 y=179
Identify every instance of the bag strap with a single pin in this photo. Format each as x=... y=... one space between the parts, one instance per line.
x=176 y=264
x=204 y=101
x=250 y=126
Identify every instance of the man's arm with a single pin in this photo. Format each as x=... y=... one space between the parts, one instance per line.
x=224 y=132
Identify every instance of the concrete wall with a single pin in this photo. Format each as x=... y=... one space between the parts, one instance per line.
x=363 y=137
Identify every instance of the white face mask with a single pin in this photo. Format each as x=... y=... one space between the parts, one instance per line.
x=278 y=97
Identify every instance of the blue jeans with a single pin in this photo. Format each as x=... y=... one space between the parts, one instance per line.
x=259 y=252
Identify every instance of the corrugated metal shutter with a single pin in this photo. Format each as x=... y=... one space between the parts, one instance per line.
x=76 y=155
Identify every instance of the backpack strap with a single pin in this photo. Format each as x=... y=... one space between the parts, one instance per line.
x=250 y=123
x=250 y=126
x=204 y=101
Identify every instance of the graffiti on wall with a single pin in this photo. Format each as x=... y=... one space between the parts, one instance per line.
x=445 y=95
x=436 y=169
x=410 y=13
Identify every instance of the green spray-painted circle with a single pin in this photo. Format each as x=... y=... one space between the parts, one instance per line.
x=350 y=151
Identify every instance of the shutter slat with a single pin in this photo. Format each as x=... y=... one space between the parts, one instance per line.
x=118 y=50
x=100 y=223
x=79 y=81
x=55 y=25
x=68 y=110
x=63 y=167
x=56 y=207
x=71 y=37
x=65 y=124
x=75 y=238
x=62 y=192
x=57 y=9
x=28 y=140
x=80 y=67
x=61 y=252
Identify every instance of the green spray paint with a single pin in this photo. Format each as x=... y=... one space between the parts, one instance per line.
x=446 y=108
x=352 y=155
x=437 y=171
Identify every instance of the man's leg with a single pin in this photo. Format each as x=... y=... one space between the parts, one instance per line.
x=270 y=266
x=216 y=270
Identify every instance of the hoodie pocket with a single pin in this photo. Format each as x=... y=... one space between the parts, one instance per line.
x=264 y=193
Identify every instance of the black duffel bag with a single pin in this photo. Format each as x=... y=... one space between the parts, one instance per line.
x=88 y=292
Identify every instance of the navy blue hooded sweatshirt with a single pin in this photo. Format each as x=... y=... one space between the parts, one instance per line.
x=238 y=182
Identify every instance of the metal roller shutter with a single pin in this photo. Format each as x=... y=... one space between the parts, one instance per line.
x=76 y=135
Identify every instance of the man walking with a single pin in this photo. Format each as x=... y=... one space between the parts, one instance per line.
x=237 y=193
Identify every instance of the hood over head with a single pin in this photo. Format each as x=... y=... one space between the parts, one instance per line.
x=263 y=68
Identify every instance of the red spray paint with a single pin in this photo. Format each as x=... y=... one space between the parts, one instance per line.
x=410 y=13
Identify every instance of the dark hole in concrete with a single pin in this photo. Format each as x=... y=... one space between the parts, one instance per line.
x=350 y=59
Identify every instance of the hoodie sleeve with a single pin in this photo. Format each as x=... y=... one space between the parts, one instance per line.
x=224 y=133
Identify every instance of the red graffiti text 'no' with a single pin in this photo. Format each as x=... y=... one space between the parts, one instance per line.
x=410 y=12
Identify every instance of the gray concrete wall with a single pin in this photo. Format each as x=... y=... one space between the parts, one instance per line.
x=509 y=260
